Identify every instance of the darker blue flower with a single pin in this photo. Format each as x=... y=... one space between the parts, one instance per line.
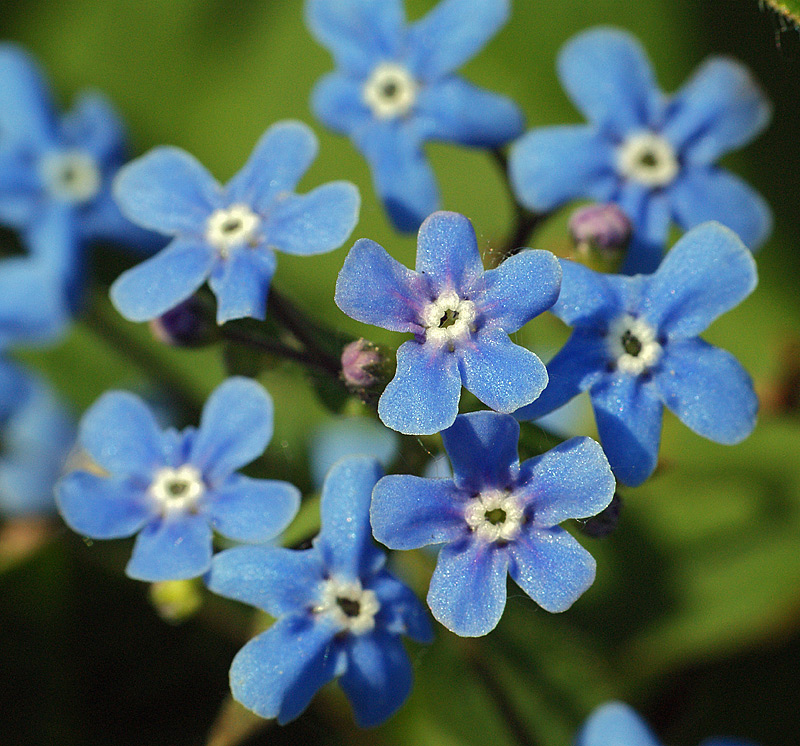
x=56 y=171
x=651 y=154
x=173 y=488
x=635 y=349
x=395 y=89
x=497 y=517
x=460 y=316
x=339 y=612
x=227 y=235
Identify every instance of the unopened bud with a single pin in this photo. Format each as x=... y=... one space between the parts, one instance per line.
x=361 y=361
x=600 y=229
x=176 y=600
x=183 y=326
x=605 y=522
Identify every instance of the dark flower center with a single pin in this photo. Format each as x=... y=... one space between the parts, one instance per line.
x=496 y=516
x=631 y=344
x=350 y=607
x=648 y=159
x=390 y=89
x=231 y=225
x=68 y=175
x=177 y=488
x=449 y=318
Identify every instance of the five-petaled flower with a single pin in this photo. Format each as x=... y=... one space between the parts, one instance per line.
x=635 y=349
x=339 y=613
x=651 y=154
x=395 y=90
x=229 y=234
x=173 y=488
x=497 y=516
x=460 y=316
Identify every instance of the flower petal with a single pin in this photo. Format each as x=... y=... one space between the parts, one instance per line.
x=607 y=75
x=719 y=109
x=21 y=194
x=375 y=288
x=553 y=165
x=615 y=722
x=650 y=213
x=241 y=283
x=422 y=398
x=378 y=677
x=277 y=673
x=551 y=567
x=401 y=611
x=94 y=125
x=572 y=480
x=280 y=158
x=316 y=222
x=707 y=272
x=447 y=252
x=345 y=539
x=410 y=512
x=523 y=286
x=455 y=110
x=26 y=109
x=453 y=32
x=482 y=447
x=235 y=428
x=503 y=375
x=587 y=298
x=628 y=415
x=708 y=390
x=172 y=548
x=338 y=102
x=714 y=194
x=121 y=435
x=104 y=221
x=167 y=190
x=256 y=510
x=101 y=507
x=278 y=581
x=159 y=284
x=468 y=588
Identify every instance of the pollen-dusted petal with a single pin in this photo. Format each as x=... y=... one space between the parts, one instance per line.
x=26 y=109
x=447 y=252
x=615 y=722
x=401 y=611
x=241 y=283
x=587 y=298
x=95 y=126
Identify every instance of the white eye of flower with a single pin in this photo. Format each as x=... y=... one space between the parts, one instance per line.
x=495 y=516
x=632 y=345
x=177 y=489
x=390 y=91
x=232 y=226
x=352 y=607
x=648 y=158
x=448 y=319
x=71 y=176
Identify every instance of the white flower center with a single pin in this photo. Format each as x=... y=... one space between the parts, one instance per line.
x=448 y=319
x=352 y=607
x=648 y=158
x=495 y=515
x=71 y=176
x=632 y=344
x=390 y=91
x=177 y=490
x=232 y=226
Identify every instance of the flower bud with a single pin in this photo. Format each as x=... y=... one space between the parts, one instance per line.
x=600 y=229
x=605 y=522
x=360 y=359
x=183 y=326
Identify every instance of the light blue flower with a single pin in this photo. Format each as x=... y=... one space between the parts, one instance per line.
x=56 y=171
x=497 y=517
x=651 y=154
x=395 y=89
x=227 y=235
x=173 y=488
x=339 y=612
x=635 y=348
x=618 y=724
x=460 y=316
x=37 y=433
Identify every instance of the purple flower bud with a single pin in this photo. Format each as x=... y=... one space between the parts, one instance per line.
x=603 y=227
x=360 y=362
x=183 y=326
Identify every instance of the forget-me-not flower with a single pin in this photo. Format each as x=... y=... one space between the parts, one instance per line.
x=56 y=170
x=395 y=89
x=339 y=612
x=635 y=349
x=497 y=517
x=174 y=488
x=653 y=155
x=618 y=724
x=460 y=315
x=227 y=235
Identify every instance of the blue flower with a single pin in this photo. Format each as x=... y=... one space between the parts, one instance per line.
x=37 y=433
x=635 y=349
x=651 y=154
x=174 y=487
x=395 y=89
x=227 y=235
x=339 y=613
x=497 y=516
x=618 y=724
x=460 y=316
x=56 y=171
